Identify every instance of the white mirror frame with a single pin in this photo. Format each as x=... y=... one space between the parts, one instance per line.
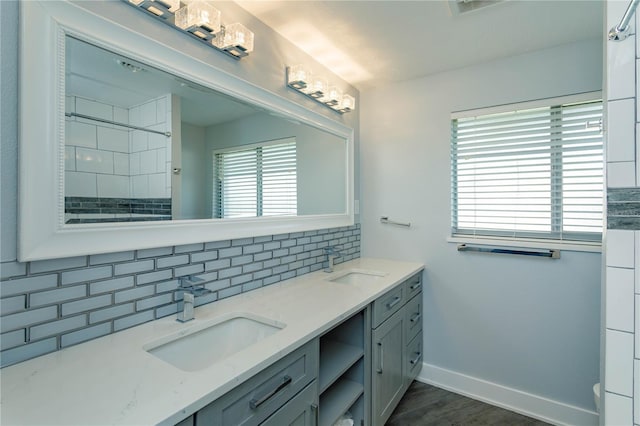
x=42 y=232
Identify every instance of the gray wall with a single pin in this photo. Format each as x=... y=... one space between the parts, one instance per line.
x=528 y=324
x=56 y=303
x=196 y=196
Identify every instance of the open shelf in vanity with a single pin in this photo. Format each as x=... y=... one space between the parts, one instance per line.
x=342 y=377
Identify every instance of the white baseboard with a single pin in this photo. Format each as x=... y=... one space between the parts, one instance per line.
x=515 y=400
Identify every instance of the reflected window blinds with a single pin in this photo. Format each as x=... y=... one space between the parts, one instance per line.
x=256 y=181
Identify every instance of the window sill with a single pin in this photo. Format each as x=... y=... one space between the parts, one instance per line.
x=590 y=247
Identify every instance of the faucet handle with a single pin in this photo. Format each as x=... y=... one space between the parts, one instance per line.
x=190 y=281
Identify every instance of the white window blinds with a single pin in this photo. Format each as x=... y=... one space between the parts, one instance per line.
x=256 y=181
x=535 y=173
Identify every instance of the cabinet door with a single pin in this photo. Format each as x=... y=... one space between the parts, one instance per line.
x=388 y=373
x=302 y=410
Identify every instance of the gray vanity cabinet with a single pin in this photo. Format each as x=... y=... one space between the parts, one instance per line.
x=388 y=360
x=256 y=400
x=396 y=346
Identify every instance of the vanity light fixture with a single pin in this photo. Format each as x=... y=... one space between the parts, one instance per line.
x=301 y=79
x=235 y=39
x=202 y=21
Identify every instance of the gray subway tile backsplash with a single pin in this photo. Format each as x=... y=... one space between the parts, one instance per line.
x=102 y=259
x=28 y=351
x=85 y=334
x=12 y=339
x=27 y=318
x=86 y=304
x=52 y=304
x=28 y=284
x=134 y=267
x=50 y=265
x=54 y=328
x=87 y=274
x=58 y=295
x=167 y=262
x=12 y=269
x=13 y=304
x=110 y=285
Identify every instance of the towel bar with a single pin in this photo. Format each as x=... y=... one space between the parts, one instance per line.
x=552 y=254
x=385 y=220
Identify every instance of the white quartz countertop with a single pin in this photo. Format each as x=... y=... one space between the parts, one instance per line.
x=113 y=380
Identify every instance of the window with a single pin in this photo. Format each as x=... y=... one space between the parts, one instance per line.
x=260 y=180
x=531 y=173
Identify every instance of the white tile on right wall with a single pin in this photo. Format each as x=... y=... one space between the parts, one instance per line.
x=620 y=248
x=621 y=139
x=621 y=62
x=637 y=336
x=620 y=299
x=621 y=175
x=619 y=410
x=636 y=391
x=619 y=363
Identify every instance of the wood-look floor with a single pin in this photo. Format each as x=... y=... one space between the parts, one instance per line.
x=426 y=405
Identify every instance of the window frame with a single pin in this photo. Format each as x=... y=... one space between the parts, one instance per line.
x=524 y=241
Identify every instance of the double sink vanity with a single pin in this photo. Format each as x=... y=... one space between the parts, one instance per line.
x=303 y=351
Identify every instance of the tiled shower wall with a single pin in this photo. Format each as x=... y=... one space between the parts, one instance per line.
x=621 y=373
x=108 y=161
x=52 y=304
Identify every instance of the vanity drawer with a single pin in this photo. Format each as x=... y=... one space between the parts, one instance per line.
x=413 y=318
x=413 y=285
x=256 y=399
x=413 y=361
x=387 y=305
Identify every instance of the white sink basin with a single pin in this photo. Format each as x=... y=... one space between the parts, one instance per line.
x=357 y=276
x=202 y=345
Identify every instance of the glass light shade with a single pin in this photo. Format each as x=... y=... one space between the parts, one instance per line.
x=299 y=76
x=348 y=103
x=333 y=96
x=200 y=19
x=317 y=88
x=235 y=39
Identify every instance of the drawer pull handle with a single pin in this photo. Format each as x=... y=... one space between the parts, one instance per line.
x=394 y=302
x=416 y=359
x=255 y=403
x=415 y=286
x=416 y=317
x=381 y=352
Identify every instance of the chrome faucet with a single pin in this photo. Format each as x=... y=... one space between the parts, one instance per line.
x=332 y=254
x=189 y=285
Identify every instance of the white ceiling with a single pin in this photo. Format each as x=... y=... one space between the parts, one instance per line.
x=372 y=43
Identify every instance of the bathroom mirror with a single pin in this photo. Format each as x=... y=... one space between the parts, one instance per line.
x=124 y=119
x=126 y=143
